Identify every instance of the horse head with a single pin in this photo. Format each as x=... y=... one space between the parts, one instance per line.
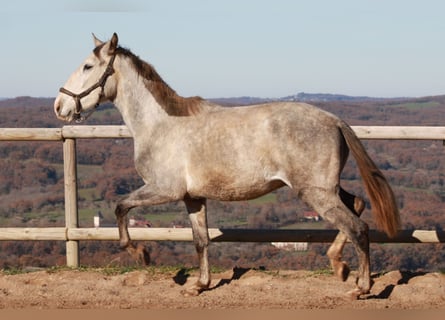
x=92 y=83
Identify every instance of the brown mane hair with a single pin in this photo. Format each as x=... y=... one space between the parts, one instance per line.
x=172 y=103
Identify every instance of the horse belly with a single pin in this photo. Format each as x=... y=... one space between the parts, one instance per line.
x=225 y=186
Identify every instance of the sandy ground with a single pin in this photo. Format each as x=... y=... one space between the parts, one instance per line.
x=242 y=289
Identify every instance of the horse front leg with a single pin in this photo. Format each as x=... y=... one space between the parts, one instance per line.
x=196 y=209
x=341 y=268
x=143 y=196
x=137 y=252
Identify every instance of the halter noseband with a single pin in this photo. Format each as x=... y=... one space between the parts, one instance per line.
x=99 y=84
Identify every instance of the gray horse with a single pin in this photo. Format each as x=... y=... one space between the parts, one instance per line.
x=191 y=150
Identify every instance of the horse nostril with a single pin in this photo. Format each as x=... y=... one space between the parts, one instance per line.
x=57 y=106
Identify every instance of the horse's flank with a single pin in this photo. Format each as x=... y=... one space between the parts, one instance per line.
x=173 y=104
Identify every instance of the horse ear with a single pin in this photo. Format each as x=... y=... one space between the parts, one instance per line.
x=113 y=44
x=97 y=42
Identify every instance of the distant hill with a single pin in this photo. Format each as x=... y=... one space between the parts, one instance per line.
x=305 y=97
x=325 y=97
x=27 y=101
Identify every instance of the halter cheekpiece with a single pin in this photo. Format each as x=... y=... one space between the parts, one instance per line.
x=99 y=84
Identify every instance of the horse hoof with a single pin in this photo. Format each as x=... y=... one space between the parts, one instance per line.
x=354 y=294
x=139 y=253
x=191 y=292
x=357 y=293
x=143 y=256
x=343 y=271
x=194 y=290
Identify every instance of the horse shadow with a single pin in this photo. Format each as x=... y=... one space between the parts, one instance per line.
x=182 y=276
x=237 y=274
x=387 y=291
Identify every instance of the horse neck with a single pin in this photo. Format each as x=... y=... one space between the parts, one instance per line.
x=139 y=109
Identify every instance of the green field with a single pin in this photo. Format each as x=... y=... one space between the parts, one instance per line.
x=267 y=198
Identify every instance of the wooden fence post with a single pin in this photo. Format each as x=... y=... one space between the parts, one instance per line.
x=71 y=214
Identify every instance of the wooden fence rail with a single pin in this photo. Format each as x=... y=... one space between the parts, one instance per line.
x=72 y=234
x=216 y=235
x=101 y=132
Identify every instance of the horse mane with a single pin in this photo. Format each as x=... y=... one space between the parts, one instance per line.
x=172 y=103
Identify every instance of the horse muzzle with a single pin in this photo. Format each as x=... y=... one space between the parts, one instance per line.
x=62 y=111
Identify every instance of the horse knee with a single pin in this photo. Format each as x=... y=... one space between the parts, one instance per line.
x=121 y=210
x=201 y=243
x=124 y=237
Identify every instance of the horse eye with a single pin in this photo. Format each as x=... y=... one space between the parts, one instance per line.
x=87 y=67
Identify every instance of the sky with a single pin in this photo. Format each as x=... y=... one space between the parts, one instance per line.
x=379 y=48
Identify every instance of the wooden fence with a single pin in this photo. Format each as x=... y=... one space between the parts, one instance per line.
x=72 y=234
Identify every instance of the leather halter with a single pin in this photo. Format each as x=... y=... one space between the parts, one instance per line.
x=99 y=84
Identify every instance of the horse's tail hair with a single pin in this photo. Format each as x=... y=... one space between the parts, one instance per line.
x=383 y=202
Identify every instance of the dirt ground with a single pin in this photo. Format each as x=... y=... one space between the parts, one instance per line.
x=244 y=289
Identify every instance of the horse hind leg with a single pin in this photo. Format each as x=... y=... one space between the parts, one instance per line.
x=340 y=268
x=328 y=203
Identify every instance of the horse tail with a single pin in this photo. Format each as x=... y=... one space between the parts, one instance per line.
x=383 y=202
